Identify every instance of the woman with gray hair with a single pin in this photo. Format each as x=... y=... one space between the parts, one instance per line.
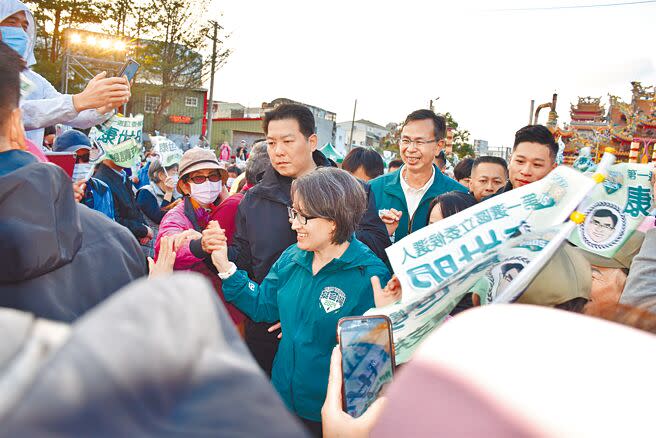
x=153 y=198
x=315 y=282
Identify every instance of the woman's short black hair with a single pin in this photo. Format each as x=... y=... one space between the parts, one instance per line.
x=463 y=169
x=451 y=203
x=370 y=161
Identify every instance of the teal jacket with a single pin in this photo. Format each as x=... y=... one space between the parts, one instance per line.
x=308 y=308
x=389 y=194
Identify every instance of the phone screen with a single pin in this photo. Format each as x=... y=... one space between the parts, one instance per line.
x=130 y=69
x=367 y=360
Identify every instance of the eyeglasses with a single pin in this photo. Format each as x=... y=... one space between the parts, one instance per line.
x=294 y=214
x=596 y=223
x=419 y=143
x=200 y=179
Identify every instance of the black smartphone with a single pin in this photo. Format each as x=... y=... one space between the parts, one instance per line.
x=367 y=360
x=129 y=69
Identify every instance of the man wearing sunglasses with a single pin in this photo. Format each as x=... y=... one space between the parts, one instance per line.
x=97 y=195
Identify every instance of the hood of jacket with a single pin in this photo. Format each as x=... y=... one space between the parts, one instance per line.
x=10 y=7
x=277 y=188
x=40 y=228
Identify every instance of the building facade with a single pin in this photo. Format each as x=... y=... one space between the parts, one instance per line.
x=183 y=116
x=365 y=133
x=324 y=120
x=234 y=130
x=481 y=147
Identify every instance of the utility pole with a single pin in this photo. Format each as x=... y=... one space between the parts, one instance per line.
x=352 y=125
x=211 y=98
x=430 y=104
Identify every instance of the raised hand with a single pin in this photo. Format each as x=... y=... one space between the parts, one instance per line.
x=389 y=295
x=391 y=220
x=165 y=259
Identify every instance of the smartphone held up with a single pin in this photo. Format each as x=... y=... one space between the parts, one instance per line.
x=367 y=360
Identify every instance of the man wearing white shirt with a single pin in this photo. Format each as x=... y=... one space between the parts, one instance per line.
x=403 y=197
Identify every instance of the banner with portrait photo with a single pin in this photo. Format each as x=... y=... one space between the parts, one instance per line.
x=427 y=258
x=506 y=269
x=615 y=209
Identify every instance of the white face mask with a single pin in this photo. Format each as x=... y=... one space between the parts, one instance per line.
x=82 y=171
x=229 y=182
x=207 y=192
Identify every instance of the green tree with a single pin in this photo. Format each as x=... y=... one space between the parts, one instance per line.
x=58 y=15
x=461 y=145
x=171 y=55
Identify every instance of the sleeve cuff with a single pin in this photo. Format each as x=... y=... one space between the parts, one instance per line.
x=197 y=250
x=229 y=273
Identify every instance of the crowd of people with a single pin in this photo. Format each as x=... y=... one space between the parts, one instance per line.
x=200 y=297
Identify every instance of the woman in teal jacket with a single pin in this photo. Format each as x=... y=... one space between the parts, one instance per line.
x=325 y=276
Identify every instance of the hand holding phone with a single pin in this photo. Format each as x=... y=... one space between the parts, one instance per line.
x=368 y=364
x=129 y=69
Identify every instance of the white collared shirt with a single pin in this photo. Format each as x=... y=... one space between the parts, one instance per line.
x=413 y=196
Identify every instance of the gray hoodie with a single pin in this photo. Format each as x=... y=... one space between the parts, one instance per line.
x=159 y=358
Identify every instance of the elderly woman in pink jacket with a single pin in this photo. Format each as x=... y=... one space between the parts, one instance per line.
x=202 y=183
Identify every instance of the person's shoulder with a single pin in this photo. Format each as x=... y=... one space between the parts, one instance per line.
x=450 y=184
x=382 y=180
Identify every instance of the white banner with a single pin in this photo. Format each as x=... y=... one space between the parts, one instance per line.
x=505 y=270
x=427 y=258
x=615 y=209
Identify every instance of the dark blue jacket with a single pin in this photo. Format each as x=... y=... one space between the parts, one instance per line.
x=60 y=258
x=126 y=211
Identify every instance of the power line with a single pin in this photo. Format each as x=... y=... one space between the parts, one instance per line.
x=549 y=8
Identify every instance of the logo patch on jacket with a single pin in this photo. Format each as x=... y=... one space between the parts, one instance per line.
x=332 y=299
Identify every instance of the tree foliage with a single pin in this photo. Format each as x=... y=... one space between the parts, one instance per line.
x=461 y=145
x=169 y=38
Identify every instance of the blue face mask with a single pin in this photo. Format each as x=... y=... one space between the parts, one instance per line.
x=16 y=38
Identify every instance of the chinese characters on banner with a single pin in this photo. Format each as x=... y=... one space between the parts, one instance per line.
x=488 y=277
x=427 y=258
x=121 y=138
x=615 y=209
x=168 y=151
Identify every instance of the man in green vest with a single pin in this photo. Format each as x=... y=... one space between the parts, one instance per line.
x=403 y=196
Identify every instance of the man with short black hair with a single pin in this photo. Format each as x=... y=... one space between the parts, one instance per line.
x=262 y=223
x=533 y=157
x=488 y=175
x=61 y=258
x=405 y=195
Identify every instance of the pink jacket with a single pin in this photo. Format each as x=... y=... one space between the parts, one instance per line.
x=224 y=154
x=175 y=222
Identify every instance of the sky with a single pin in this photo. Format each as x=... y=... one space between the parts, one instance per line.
x=485 y=60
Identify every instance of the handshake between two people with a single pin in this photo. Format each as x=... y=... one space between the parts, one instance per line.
x=212 y=240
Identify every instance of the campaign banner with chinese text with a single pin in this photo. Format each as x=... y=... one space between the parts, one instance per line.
x=615 y=209
x=125 y=154
x=168 y=151
x=117 y=129
x=506 y=269
x=427 y=258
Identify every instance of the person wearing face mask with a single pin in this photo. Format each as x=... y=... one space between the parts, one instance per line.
x=152 y=199
x=97 y=194
x=201 y=181
x=325 y=276
x=43 y=106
